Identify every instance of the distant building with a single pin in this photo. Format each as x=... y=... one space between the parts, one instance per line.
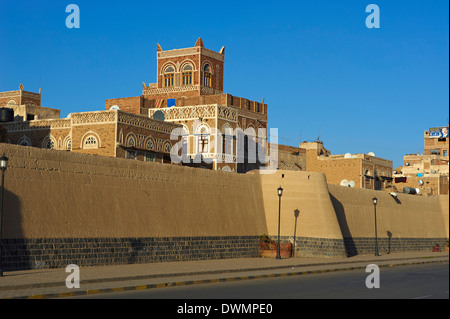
x=428 y=173
x=290 y=157
x=353 y=170
x=27 y=105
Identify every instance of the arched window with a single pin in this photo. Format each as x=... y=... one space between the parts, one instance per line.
x=167 y=147
x=48 y=143
x=187 y=75
x=207 y=75
x=91 y=142
x=131 y=140
x=169 y=73
x=150 y=144
x=24 y=141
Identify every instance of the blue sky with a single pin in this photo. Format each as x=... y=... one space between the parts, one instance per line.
x=322 y=72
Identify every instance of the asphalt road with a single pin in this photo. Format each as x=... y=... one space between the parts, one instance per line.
x=429 y=281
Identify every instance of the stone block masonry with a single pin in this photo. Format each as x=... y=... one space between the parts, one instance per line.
x=46 y=253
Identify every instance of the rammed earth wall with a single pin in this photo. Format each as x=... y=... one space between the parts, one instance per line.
x=62 y=208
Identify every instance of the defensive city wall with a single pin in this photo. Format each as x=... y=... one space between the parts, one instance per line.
x=63 y=207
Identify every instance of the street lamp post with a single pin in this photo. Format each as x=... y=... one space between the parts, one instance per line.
x=3 y=167
x=375 y=200
x=296 y=214
x=280 y=193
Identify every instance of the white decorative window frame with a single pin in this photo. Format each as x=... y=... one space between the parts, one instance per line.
x=90 y=146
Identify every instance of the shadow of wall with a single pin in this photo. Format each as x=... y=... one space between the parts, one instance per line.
x=349 y=244
x=406 y=223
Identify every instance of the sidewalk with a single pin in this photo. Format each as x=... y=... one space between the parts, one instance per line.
x=50 y=283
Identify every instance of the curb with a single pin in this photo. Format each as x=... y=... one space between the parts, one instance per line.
x=206 y=281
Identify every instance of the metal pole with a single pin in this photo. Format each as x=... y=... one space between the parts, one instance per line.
x=1 y=215
x=376 y=236
x=279 y=216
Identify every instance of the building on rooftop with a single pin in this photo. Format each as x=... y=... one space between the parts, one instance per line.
x=427 y=173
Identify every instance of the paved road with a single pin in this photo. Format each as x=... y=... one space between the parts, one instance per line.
x=406 y=282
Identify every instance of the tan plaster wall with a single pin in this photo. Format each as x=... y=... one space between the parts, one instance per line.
x=53 y=194
x=409 y=216
x=57 y=194
x=305 y=191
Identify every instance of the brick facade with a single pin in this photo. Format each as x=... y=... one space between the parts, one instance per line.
x=199 y=103
x=105 y=133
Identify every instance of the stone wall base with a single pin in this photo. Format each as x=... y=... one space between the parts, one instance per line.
x=22 y=254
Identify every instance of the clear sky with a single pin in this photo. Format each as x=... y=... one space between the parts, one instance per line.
x=322 y=72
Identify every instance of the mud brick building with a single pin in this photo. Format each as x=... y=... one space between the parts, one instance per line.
x=353 y=170
x=427 y=173
x=108 y=133
x=190 y=92
x=188 y=96
x=27 y=105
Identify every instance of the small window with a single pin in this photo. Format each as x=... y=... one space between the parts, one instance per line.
x=187 y=78
x=150 y=144
x=90 y=142
x=207 y=76
x=445 y=152
x=49 y=144
x=203 y=142
x=150 y=157
x=435 y=152
x=24 y=141
x=131 y=141
x=131 y=154
x=167 y=147
x=169 y=76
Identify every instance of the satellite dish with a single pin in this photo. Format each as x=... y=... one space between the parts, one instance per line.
x=371 y=154
x=407 y=164
x=420 y=182
x=158 y=116
x=344 y=182
x=114 y=107
x=351 y=184
x=348 y=155
x=417 y=191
